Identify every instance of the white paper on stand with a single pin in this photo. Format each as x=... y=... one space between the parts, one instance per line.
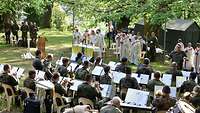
x=14 y=70
x=186 y=73
x=167 y=79
x=172 y=89
x=98 y=70
x=117 y=76
x=144 y=79
x=179 y=81
x=20 y=72
x=75 y=85
x=136 y=97
x=72 y=67
x=106 y=90
x=39 y=75
x=112 y=65
x=44 y=84
x=1 y=68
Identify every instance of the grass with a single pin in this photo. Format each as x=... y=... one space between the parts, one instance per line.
x=59 y=43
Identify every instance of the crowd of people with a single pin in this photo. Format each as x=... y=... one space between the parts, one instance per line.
x=28 y=30
x=90 y=89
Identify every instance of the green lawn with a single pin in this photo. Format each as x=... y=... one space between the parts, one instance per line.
x=59 y=43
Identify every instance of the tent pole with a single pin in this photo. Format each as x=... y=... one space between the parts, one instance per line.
x=165 y=34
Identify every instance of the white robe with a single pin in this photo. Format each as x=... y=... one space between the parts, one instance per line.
x=100 y=43
x=188 y=64
x=124 y=47
x=136 y=50
x=93 y=40
x=76 y=37
x=196 y=60
x=117 y=39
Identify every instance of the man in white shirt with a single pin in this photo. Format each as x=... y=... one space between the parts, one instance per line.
x=76 y=36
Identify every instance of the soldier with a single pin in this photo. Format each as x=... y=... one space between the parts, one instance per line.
x=127 y=82
x=164 y=101
x=196 y=97
x=15 y=29
x=7 y=30
x=37 y=64
x=173 y=70
x=188 y=85
x=48 y=69
x=33 y=31
x=86 y=90
x=113 y=108
x=106 y=79
x=121 y=67
x=82 y=72
x=30 y=81
x=156 y=81
x=24 y=29
x=63 y=68
x=145 y=68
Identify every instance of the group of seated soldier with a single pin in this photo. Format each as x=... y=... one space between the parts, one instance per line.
x=90 y=88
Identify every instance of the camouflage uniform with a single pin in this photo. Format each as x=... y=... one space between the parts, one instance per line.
x=30 y=83
x=152 y=83
x=81 y=73
x=105 y=79
x=110 y=109
x=188 y=86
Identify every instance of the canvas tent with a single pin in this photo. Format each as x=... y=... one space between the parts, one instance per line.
x=187 y=30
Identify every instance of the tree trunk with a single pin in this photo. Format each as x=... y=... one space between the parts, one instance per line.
x=46 y=18
x=123 y=24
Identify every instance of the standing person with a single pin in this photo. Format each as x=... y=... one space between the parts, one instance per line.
x=181 y=44
x=85 y=39
x=197 y=58
x=188 y=63
x=100 y=42
x=33 y=32
x=136 y=50
x=76 y=36
x=117 y=40
x=177 y=56
x=124 y=46
x=24 y=29
x=15 y=29
x=152 y=44
x=41 y=45
x=7 y=30
x=93 y=38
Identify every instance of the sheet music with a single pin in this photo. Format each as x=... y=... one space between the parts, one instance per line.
x=1 y=68
x=136 y=97
x=98 y=70
x=106 y=91
x=135 y=75
x=172 y=89
x=75 y=85
x=112 y=65
x=73 y=57
x=20 y=72
x=14 y=70
x=39 y=75
x=167 y=79
x=63 y=78
x=72 y=67
x=179 y=81
x=44 y=84
x=59 y=62
x=144 y=79
x=117 y=76
x=186 y=73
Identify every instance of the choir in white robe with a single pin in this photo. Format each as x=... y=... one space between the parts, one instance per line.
x=124 y=47
x=117 y=39
x=188 y=63
x=93 y=40
x=196 y=59
x=76 y=37
x=100 y=43
x=136 y=50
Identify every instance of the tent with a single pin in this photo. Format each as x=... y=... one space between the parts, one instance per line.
x=187 y=30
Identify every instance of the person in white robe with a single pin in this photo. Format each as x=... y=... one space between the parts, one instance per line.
x=76 y=37
x=188 y=62
x=117 y=40
x=181 y=44
x=100 y=42
x=124 y=46
x=85 y=38
x=136 y=50
x=197 y=58
x=93 y=38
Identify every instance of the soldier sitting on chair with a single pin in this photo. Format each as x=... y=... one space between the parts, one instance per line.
x=188 y=85
x=122 y=67
x=30 y=82
x=106 y=79
x=164 y=101
x=37 y=64
x=82 y=72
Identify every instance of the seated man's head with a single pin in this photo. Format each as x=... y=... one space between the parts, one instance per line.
x=55 y=77
x=166 y=91
x=65 y=61
x=196 y=91
x=32 y=74
x=106 y=69
x=116 y=101
x=85 y=64
x=146 y=61
x=79 y=55
x=128 y=72
x=157 y=75
x=193 y=75
x=124 y=60
x=88 y=78
x=97 y=60
x=49 y=57
x=7 y=68
x=38 y=53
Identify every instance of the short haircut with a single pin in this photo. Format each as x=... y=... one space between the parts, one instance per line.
x=55 y=75
x=146 y=61
x=166 y=89
x=37 y=52
x=128 y=70
x=31 y=74
x=49 y=56
x=65 y=60
x=98 y=59
x=193 y=75
x=106 y=69
x=157 y=75
x=88 y=77
x=6 y=67
x=124 y=59
x=85 y=63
